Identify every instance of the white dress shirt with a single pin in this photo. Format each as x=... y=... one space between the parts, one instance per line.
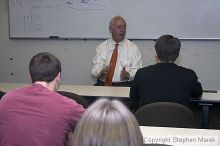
x=129 y=56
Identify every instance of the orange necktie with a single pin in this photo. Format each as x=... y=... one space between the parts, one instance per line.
x=112 y=65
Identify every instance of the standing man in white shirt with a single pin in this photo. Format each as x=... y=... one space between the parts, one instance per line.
x=128 y=56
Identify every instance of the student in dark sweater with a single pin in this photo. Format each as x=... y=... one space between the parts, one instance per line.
x=165 y=81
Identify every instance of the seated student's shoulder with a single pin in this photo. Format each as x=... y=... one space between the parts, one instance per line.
x=14 y=93
x=148 y=68
x=69 y=100
x=187 y=70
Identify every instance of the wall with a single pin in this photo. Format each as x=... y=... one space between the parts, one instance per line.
x=89 y=18
x=76 y=56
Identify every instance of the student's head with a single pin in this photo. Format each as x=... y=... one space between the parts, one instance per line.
x=107 y=123
x=44 y=67
x=167 y=48
x=117 y=28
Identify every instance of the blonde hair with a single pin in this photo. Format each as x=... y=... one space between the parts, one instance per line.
x=107 y=123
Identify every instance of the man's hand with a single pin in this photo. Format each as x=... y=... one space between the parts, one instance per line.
x=104 y=72
x=124 y=75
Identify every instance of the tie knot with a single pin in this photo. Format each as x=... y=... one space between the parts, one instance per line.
x=116 y=45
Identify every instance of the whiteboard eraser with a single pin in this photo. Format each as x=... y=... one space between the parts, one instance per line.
x=53 y=37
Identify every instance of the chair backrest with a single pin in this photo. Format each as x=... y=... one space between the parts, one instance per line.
x=79 y=99
x=1 y=94
x=166 y=114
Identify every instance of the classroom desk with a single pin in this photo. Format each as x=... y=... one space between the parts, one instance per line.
x=208 y=98
x=96 y=91
x=108 y=91
x=180 y=136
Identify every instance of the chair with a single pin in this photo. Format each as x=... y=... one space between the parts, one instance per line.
x=166 y=114
x=1 y=94
x=79 y=99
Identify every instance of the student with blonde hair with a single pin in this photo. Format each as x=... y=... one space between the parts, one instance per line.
x=107 y=123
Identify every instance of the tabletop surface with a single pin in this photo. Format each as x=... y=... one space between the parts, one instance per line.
x=107 y=91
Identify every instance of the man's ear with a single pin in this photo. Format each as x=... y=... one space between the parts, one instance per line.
x=30 y=77
x=110 y=29
x=58 y=77
x=157 y=59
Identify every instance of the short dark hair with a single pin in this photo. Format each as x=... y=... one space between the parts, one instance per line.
x=167 y=48
x=44 y=67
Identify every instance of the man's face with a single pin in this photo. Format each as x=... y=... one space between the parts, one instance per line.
x=118 y=30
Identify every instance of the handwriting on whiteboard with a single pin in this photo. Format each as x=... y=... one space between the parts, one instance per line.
x=63 y=4
x=81 y=4
x=32 y=23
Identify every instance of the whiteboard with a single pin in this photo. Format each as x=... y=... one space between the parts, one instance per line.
x=89 y=19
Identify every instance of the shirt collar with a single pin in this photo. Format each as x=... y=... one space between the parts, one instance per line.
x=120 y=43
